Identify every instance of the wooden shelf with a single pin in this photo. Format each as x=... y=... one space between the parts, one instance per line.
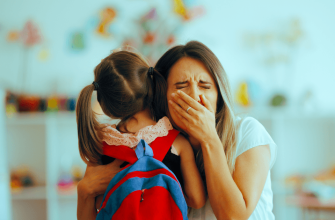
x=30 y=193
x=70 y=196
x=42 y=118
x=268 y=113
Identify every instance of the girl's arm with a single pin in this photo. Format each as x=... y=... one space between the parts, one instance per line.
x=94 y=183
x=231 y=196
x=195 y=194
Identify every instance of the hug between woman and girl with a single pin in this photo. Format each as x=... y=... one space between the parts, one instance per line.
x=222 y=161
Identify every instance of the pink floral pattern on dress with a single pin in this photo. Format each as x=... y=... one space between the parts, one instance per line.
x=149 y=133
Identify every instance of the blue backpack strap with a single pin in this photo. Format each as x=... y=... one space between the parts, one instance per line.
x=143 y=149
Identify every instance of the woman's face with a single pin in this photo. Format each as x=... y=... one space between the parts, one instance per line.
x=192 y=77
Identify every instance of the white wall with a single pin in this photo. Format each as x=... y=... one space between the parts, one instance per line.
x=223 y=29
x=5 y=205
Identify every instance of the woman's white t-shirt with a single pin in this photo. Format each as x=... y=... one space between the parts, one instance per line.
x=250 y=133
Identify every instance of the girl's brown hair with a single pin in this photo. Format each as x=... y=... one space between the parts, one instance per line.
x=225 y=117
x=125 y=87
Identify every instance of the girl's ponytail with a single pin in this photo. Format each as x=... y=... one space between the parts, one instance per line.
x=159 y=103
x=89 y=142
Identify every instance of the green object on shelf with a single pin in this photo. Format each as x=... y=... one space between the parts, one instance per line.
x=278 y=100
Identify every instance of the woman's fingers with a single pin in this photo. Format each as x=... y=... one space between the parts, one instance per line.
x=180 y=110
x=206 y=103
x=182 y=120
x=188 y=100
x=181 y=103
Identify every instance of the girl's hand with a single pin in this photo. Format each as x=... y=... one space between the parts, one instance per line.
x=97 y=178
x=199 y=120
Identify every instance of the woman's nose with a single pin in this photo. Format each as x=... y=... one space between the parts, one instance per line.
x=194 y=93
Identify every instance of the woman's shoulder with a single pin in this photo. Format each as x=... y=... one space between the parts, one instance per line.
x=248 y=123
x=249 y=127
x=251 y=133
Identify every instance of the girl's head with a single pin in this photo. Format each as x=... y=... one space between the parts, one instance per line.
x=125 y=85
x=196 y=70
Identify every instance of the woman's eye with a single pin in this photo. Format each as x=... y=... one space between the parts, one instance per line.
x=206 y=87
x=180 y=87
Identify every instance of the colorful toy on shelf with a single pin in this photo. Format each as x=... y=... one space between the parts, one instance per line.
x=28 y=103
x=52 y=104
x=43 y=105
x=249 y=93
x=68 y=181
x=29 y=37
x=71 y=104
x=327 y=176
x=30 y=34
x=321 y=185
x=278 y=100
x=171 y=40
x=184 y=9
x=242 y=96
x=65 y=184
x=107 y=16
x=62 y=103
x=15 y=183
x=26 y=176
x=13 y=36
x=295 y=182
x=155 y=32
x=21 y=177
x=44 y=54
x=78 y=41
x=179 y=8
x=77 y=173
x=11 y=103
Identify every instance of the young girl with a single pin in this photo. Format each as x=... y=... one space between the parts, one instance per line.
x=128 y=89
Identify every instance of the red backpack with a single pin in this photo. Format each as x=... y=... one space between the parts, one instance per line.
x=146 y=188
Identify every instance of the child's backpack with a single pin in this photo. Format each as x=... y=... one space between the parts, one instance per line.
x=146 y=188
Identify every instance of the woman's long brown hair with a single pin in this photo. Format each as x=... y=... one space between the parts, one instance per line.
x=225 y=117
x=125 y=87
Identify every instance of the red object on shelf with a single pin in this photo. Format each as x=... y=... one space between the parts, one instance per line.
x=28 y=103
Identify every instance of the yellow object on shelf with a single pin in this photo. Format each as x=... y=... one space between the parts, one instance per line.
x=242 y=96
x=53 y=104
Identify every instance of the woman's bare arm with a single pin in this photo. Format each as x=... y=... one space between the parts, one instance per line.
x=94 y=183
x=231 y=197
x=235 y=197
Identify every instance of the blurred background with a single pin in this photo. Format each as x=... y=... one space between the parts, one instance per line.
x=279 y=57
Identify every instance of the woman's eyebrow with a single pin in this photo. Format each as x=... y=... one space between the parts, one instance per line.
x=204 y=82
x=178 y=83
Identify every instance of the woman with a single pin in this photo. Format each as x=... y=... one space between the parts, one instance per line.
x=234 y=155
